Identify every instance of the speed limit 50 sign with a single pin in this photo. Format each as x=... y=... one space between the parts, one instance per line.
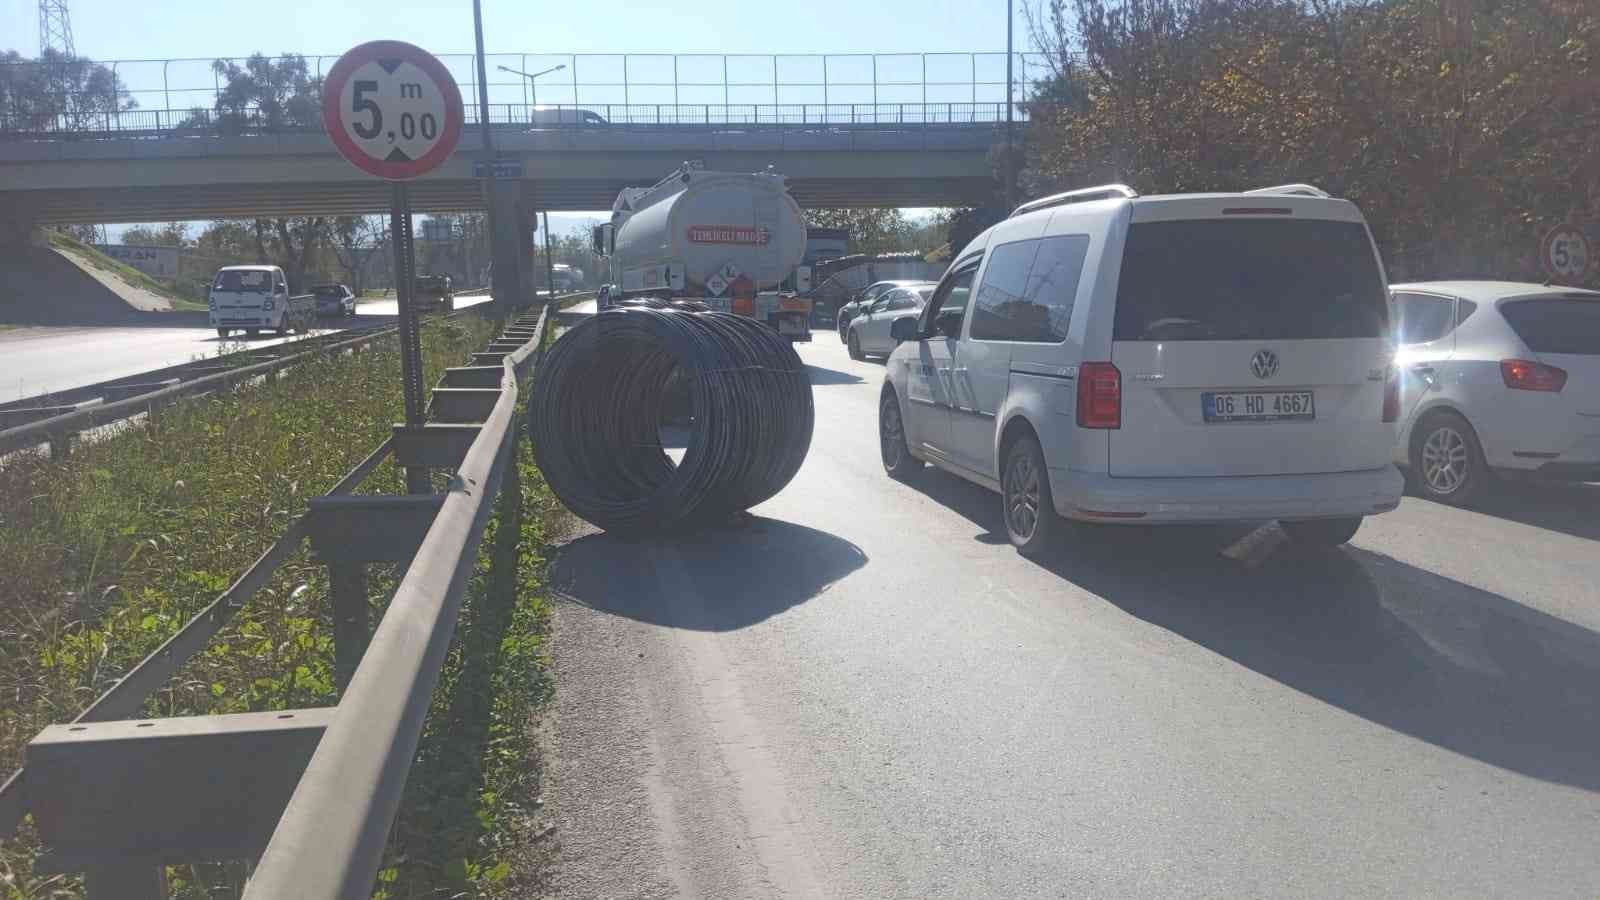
x=1566 y=254
x=392 y=109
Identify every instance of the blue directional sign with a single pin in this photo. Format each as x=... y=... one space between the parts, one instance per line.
x=497 y=168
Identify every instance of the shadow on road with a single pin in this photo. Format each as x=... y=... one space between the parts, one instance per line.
x=1462 y=668
x=1567 y=508
x=820 y=375
x=713 y=580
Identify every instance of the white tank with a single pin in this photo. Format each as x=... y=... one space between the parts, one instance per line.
x=696 y=224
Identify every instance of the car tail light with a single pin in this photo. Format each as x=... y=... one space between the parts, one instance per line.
x=1527 y=375
x=1099 y=396
x=1391 y=395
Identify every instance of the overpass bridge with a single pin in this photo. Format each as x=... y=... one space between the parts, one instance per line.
x=855 y=130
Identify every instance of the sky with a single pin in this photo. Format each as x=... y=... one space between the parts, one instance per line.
x=534 y=36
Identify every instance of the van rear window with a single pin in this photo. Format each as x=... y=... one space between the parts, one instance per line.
x=1249 y=279
x=1557 y=324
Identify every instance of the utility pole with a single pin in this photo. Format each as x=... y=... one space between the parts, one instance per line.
x=55 y=28
x=498 y=282
x=1011 y=147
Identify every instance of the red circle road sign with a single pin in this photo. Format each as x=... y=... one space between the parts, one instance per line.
x=392 y=109
x=1566 y=254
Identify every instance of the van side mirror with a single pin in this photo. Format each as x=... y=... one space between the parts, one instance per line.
x=903 y=329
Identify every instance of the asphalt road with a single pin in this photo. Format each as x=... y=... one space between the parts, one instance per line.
x=867 y=693
x=38 y=359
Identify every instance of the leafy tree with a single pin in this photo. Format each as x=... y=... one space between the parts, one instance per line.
x=267 y=92
x=1462 y=130
x=57 y=92
x=172 y=234
x=354 y=240
x=871 y=230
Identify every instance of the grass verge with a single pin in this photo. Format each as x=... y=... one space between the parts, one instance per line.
x=106 y=553
x=165 y=288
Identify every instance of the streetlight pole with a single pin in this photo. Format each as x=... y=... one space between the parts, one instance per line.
x=498 y=283
x=533 y=85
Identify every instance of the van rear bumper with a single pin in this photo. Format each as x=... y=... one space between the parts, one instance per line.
x=1143 y=501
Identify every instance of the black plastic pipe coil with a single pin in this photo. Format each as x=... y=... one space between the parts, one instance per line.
x=596 y=411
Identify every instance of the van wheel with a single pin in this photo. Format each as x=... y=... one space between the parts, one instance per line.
x=1028 y=508
x=252 y=332
x=1322 y=532
x=897 y=459
x=222 y=333
x=1447 y=460
x=854 y=344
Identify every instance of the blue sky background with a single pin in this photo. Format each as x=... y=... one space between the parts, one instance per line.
x=535 y=36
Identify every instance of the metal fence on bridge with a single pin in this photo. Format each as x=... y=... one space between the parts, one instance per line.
x=625 y=89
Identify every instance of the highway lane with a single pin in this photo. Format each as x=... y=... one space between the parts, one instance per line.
x=36 y=360
x=867 y=693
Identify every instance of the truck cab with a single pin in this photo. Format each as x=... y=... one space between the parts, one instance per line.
x=253 y=298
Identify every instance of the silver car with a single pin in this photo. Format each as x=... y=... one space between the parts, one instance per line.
x=870 y=330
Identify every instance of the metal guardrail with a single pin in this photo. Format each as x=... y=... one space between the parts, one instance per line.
x=152 y=390
x=521 y=116
x=584 y=80
x=224 y=780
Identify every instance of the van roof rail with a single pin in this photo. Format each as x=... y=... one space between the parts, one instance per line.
x=1082 y=195
x=1304 y=190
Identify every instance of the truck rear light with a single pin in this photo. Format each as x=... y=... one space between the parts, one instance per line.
x=1391 y=395
x=1527 y=375
x=1099 y=395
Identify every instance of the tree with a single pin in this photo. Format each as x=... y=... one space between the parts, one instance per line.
x=267 y=93
x=1461 y=130
x=355 y=239
x=172 y=234
x=871 y=230
x=57 y=92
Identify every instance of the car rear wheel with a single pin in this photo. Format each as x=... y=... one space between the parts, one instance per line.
x=1322 y=532
x=1446 y=460
x=855 y=346
x=1029 y=509
x=897 y=458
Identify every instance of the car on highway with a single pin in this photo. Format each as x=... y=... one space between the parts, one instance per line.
x=435 y=289
x=334 y=299
x=1497 y=378
x=861 y=301
x=869 y=330
x=255 y=298
x=564 y=115
x=1106 y=357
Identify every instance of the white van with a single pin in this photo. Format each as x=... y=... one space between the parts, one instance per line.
x=1105 y=357
x=257 y=297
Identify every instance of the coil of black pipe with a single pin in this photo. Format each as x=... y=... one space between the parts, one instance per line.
x=597 y=406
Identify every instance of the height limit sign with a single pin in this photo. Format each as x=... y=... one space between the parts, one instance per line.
x=392 y=109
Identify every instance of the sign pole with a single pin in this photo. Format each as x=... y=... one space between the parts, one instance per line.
x=417 y=480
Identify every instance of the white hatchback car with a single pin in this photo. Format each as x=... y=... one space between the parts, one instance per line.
x=1105 y=357
x=1497 y=377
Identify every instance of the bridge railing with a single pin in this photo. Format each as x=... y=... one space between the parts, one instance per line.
x=525 y=117
x=168 y=95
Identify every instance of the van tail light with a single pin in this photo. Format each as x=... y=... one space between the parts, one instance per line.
x=1391 y=395
x=1527 y=375
x=1099 y=395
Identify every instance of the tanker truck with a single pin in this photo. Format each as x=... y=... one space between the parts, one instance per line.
x=727 y=239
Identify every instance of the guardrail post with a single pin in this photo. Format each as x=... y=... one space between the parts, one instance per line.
x=126 y=881
x=60 y=445
x=352 y=626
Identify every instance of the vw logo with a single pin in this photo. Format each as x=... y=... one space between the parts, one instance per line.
x=1264 y=364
